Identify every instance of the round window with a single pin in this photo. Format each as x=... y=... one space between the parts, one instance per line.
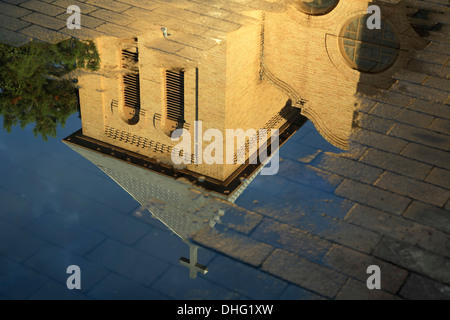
x=317 y=7
x=369 y=50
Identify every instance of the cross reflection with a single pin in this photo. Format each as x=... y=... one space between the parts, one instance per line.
x=192 y=264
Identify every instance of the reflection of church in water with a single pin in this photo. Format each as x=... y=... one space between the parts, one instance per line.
x=242 y=67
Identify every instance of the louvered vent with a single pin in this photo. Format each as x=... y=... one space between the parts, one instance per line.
x=131 y=85
x=132 y=97
x=175 y=96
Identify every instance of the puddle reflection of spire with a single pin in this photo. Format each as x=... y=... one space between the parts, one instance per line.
x=192 y=264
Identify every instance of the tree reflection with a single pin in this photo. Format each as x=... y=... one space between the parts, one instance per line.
x=31 y=84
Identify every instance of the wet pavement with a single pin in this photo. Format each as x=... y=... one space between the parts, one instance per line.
x=308 y=232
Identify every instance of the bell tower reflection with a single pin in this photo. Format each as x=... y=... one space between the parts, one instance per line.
x=143 y=93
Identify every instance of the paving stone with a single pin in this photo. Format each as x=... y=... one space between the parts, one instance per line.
x=356 y=290
x=394 y=98
x=128 y=261
x=441 y=126
x=436 y=241
x=12 y=10
x=247 y=281
x=64 y=202
x=17 y=243
x=53 y=262
x=372 y=196
x=438 y=47
x=56 y=291
x=303 y=198
x=166 y=246
x=413 y=188
x=422 y=136
x=149 y=16
x=174 y=283
x=367 y=105
x=291 y=239
x=420 y=91
x=84 y=7
x=396 y=163
x=349 y=168
x=402 y=229
x=432 y=57
x=18 y=282
x=39 y=6
x=355 y=264
x=414 y=258
x=83 y=33
x=298 y=173
x=115 y=6
x=112 y=195
x=291 y=149
x=234 y=244
x=297 y=293
x=427 y=68
x=418 y=287
x=115 y=287
x=13 y=38
x=352 y=236
x=15 y=1
x=66 y=233
x=11 y=23
x=19 y=210
x=113 y=17
x=304 y=273
x=438 y=83
x=86 y=22
x=387 y=224
x=240 y=219
x=414 y=118
x=439 y=177
x=428 y=155
x=149 y=5
x=374 y=123
x=385 y=110
x=379 y=141
x=435 y=109
x=429 y=215
x=45 y=21
x=318 y=220
x=114 y=224
x=410 y=76
x=44 y=34
x=201 y=19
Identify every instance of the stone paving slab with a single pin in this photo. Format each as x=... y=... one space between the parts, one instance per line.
x=17 y=281
x=418 y=287
x=51 y=261
x=356 y=290
x=122 y=19
x=115 y=287
x=126 y=260
x=56 y=291
x=65 y=232
x=304 y=273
